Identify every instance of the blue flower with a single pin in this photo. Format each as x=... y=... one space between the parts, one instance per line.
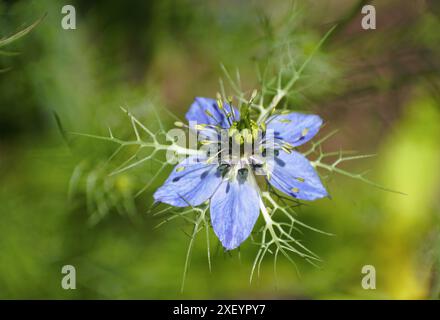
x=228 y=181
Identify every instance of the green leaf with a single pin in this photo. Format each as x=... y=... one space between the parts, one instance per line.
x=20 y=34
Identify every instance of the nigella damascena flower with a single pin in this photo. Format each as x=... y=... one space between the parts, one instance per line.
x=237 y=153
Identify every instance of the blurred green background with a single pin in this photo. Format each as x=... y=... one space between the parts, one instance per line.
x=380 y=87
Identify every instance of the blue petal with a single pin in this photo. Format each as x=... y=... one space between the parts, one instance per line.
x=190 y=183
x=234 y=211
x=294 y=175
x=206 y=111
x=294 y=128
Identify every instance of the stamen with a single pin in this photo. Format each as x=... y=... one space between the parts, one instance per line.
x=289 y=151
x=200 y=127
x=209 y=161
x=209 y=114
x=206 y=142
x=221 y=107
